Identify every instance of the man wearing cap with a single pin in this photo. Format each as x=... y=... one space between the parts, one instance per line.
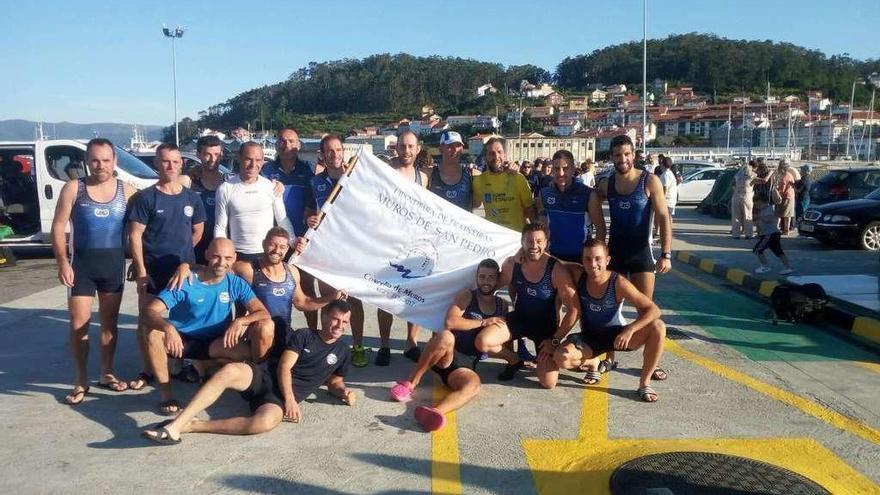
x=450 y=180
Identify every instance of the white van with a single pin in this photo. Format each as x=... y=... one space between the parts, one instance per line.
x=32 y=175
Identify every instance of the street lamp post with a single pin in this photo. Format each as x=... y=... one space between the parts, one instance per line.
x=174 y=34
x=644 y=77
x=874 y=79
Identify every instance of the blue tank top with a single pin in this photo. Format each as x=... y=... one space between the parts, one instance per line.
x=458 y=194
x=98 y=225
x=321 y=186
x=602 y=312
x=630 y=214
x=276 y=296
x=473 y=311
x=567 y=217
x=535 y=300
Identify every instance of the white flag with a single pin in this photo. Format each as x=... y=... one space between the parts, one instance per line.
x=393 y=244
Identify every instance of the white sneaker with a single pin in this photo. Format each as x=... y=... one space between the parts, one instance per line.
x=786 y=271
x=762 y=269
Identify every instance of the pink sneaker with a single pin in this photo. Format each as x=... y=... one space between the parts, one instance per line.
x=402 y=392
x=429 y=418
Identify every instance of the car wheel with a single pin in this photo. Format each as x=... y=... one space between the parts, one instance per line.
x=870 y=238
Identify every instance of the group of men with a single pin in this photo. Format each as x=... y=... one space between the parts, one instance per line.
x=229 y=292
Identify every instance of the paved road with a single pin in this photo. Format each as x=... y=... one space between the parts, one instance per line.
x=792 y=395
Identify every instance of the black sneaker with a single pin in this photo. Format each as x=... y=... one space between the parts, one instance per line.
x=383 y=357
x=413 y=354
x=510 y=371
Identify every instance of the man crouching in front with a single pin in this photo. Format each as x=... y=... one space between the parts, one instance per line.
x=273 y=390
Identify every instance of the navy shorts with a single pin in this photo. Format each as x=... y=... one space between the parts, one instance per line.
x=533 y=329
x=263 y=389
x=102 y=271
x=600 y=340
x=631 y=256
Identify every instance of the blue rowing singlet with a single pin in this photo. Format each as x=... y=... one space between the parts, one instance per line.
x=276 y=296
x=535 y=301
x=602 y=312
x=567 y=218
x=458 y=194
x=321 y=186
x=630 y=214
x=473 y=311
x=97 y=225
x=295 y=185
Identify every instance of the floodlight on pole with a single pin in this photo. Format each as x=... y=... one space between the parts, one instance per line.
x=174 y=34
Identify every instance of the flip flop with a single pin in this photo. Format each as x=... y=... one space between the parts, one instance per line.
x=592 y=377
x=430 y=419
x=607 y=365
x=659 y=374
x=162 y=437
x=81 y=393
x=114 y=386
x=143 y=378
x=402 y=391
x=167 y=404
x=646 y=392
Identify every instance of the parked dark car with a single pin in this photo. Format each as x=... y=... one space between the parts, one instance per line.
x=855 y=221
x=840 y=185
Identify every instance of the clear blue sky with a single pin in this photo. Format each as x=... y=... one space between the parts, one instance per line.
x=88 y=61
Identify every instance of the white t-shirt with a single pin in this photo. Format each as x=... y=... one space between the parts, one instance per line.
x=249 y=210
x=670 y=187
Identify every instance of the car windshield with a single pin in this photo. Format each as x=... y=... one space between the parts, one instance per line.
x=130 y=163
x=875 y=195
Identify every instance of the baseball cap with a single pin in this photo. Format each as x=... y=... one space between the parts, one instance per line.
x=450 y=137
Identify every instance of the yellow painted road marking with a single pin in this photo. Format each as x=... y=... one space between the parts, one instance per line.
x=875 y=367
x=585 y=464
x=445 y=469
x=813 y=409
x=736 y=275
x=684 y=256
x=707 y=265
x=694 y=281
x=868 y=328
x=767 y=287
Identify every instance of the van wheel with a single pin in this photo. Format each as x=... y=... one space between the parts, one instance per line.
x=870 y=238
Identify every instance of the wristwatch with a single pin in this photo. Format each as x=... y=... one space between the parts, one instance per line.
x=555 y=342
x=666 y=256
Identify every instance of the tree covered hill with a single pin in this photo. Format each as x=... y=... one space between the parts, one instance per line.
x=712 y=64
x=340 y=92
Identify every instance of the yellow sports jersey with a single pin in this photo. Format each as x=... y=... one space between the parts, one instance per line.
x=505 y=197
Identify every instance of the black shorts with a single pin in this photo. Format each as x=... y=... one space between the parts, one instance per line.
x=456 y=364
x=160 y=273
x=571 y=258
x=772 y=242
x=248 y=257
x=630 y=256
x=533 y=329
x=196 y=348
x=465 y=341
x=101 y=271
x=599 y=340
x=263 y=389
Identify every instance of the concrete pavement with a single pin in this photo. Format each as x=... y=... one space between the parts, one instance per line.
x=791 y=395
